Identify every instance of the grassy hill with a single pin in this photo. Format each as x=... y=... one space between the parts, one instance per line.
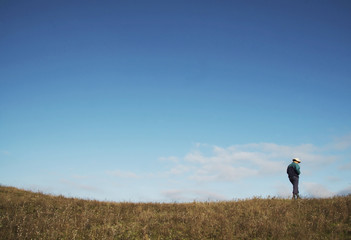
x=29 y=215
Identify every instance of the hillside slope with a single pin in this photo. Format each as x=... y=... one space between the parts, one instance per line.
x=28 y=215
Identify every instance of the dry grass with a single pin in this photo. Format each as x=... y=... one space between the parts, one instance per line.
x=28 y=215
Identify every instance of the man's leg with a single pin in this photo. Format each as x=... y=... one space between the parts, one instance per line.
x=296 y=186
x=292 y=182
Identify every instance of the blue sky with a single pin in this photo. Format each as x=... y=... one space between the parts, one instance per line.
x=175 y=100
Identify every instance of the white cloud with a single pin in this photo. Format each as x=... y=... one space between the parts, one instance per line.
x=283 y=191
x=254 y=163
x=345 y=191
x=169 y=159
x=242 y=161
x=222 y=172
x=316 y=190
x=187 y=195
x=254 y=168
x=342 y=143
x=196 y=157
x=80 y=186
x=346 y=166
x=5 y=152
x=123 y=174
x=334 y=179
x=179 y=169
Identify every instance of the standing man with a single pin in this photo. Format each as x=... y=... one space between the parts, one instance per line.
x=293 y=172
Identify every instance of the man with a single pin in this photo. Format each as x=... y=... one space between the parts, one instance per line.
x=293 y=172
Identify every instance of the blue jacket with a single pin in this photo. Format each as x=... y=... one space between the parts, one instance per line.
x=293 y=170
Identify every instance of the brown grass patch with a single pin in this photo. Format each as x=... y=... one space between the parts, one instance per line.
x=29 y=215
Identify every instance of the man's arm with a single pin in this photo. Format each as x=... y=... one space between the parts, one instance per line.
x=297 y=168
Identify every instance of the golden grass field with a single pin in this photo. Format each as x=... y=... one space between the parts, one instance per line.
x=29 y=215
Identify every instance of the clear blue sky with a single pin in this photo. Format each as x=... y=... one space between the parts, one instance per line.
x=175 y=100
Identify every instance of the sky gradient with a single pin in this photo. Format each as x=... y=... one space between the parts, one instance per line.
x=175 y=100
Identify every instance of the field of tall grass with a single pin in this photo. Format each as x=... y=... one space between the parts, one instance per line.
x=29 y=215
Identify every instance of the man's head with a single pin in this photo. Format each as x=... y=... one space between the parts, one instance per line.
x=296 y=160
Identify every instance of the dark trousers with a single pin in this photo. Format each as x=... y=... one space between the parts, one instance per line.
x=295 y=182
